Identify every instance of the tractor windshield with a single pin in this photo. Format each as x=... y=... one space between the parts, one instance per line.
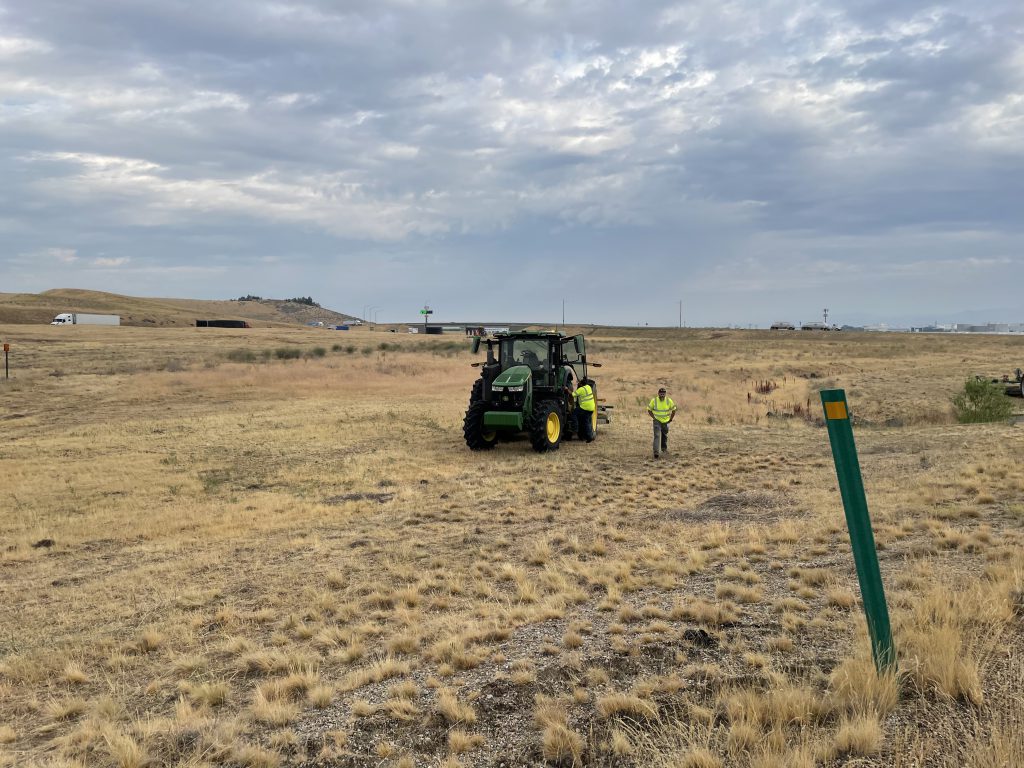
x=531 y=352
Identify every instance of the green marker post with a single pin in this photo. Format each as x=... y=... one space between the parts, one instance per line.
x=851 y=487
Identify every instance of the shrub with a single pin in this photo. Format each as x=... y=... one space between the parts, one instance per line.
x=287 y=353
x=319 y=351
x=336 y=348
x=242 y=356
x=981 y=401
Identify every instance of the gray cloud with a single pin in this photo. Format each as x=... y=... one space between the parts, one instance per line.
x=496 y=158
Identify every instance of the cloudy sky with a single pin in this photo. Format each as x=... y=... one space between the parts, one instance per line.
x=754 y=160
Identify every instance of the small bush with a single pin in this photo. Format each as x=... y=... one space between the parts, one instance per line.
x=319 y=351
x=350 y=349
x=242 y=356
x=981 y=401
x=287 y=353
x=336 y=348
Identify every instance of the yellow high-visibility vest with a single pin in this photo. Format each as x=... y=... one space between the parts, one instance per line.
x=585 y=397
x=662 y=409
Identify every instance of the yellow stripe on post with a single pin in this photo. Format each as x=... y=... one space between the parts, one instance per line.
x=836 y=411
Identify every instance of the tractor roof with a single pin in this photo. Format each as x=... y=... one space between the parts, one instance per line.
x=526 y=334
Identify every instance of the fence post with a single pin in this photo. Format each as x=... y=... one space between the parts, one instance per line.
x=862 y=540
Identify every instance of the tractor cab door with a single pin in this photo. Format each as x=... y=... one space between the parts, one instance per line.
x=574 y=355
x=573 y=350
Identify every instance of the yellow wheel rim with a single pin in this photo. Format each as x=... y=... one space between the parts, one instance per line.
x=554 y=427
x=488 y=437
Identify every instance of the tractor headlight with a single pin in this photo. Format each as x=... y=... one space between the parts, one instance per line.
x=516 y=389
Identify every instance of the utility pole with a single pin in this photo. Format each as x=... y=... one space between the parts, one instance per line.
x=826 y=316
x=563 y=314
x=680 y=313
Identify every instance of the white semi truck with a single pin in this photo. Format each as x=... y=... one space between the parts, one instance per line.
x=80 y=318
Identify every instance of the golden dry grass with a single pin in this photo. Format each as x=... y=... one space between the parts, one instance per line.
x=264 y=563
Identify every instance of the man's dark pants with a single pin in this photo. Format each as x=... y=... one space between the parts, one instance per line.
x=660 y=437
x=584 y=424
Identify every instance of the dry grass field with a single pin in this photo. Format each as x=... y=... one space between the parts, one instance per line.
x=213 y=552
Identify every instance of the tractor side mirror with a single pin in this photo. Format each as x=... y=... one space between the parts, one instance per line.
x=476 y=344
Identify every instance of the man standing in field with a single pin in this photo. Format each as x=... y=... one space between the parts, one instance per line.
x=585 y=405
x=662 y=409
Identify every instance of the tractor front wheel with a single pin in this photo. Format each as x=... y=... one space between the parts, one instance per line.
x=478 y=437
x=546 y=426
x=477 y=393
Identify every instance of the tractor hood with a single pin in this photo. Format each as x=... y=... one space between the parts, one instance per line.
x=516 y=376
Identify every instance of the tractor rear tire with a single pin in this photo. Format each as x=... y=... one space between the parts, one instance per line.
x=546 y=426
x=569 y=426
x=593 y=414
x=478 y=437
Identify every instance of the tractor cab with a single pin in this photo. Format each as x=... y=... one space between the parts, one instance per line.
x=554 y=361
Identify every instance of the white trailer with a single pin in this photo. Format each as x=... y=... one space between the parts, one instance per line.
x=81 y=318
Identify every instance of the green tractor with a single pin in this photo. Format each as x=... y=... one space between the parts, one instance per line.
x=527 y=387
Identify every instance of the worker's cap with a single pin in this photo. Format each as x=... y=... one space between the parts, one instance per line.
x=662 y=391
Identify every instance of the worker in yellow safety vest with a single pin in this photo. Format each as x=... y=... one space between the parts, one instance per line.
x=662 y=409
x=585 y=406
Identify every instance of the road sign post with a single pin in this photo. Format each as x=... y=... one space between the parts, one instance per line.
x=862 y=540
x=426 y=312
x=7 y=369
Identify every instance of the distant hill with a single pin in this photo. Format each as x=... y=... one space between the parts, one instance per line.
x=41 y=307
